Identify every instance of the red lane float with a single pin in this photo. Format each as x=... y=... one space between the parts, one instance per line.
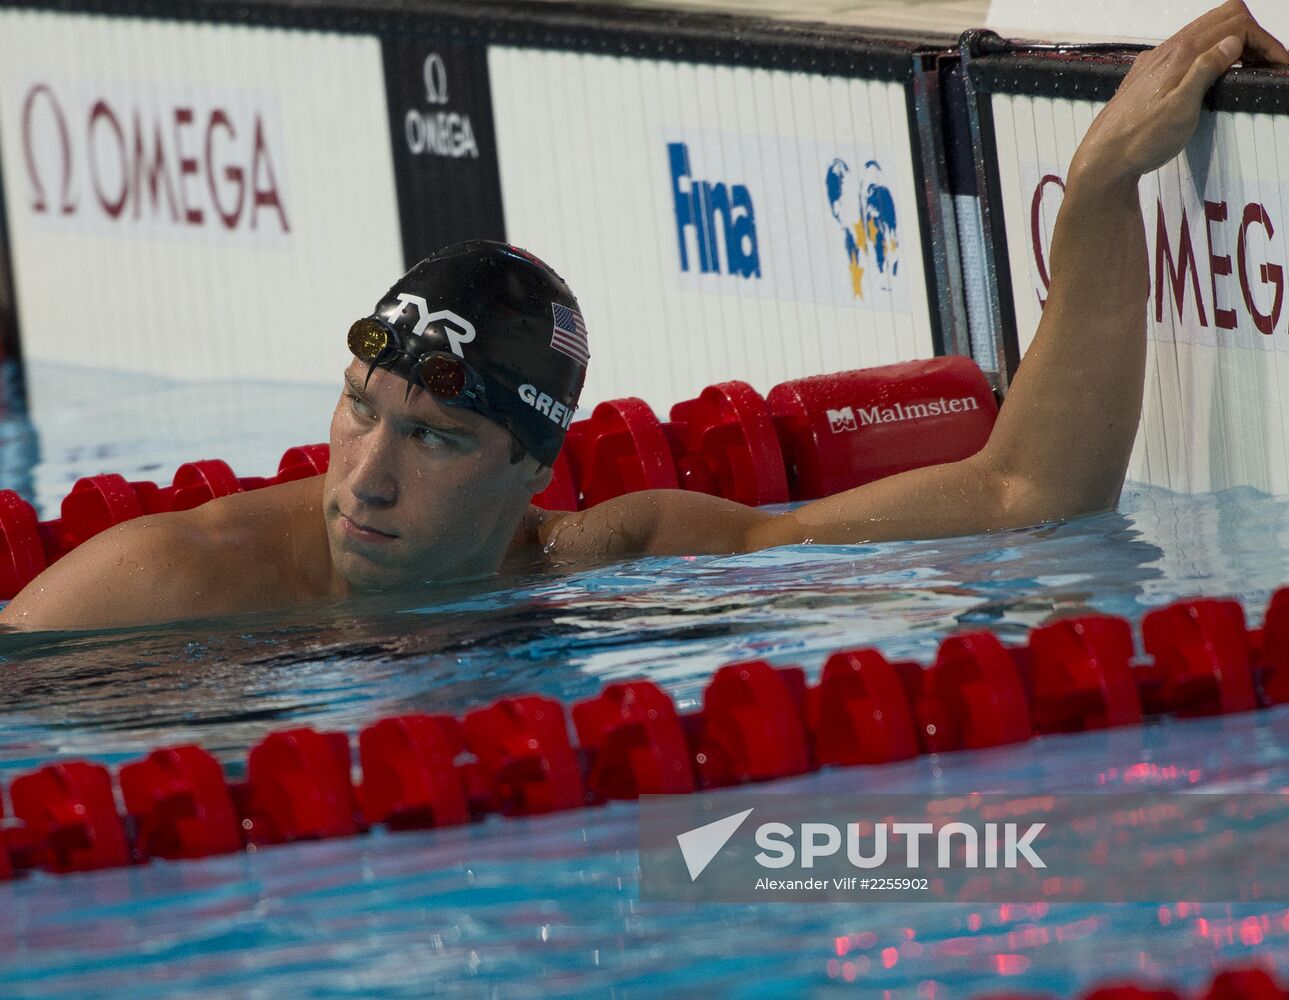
x=635 y=743
x=861 y=712
x=752 y=725
x=410 y=779
x=298 y=787
x=1202 y=663
x=1231 y=984
x=70 y=817
x=523 y=749
x=181 y=804
x=1081 y=675
x=973 y=696
x=827 y=433
x=725 y=444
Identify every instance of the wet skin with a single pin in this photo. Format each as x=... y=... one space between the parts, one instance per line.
x=418 y=492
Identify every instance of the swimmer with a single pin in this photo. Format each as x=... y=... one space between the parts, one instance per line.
x=465 y=377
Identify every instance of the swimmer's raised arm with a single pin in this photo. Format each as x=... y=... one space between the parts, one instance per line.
x=1062 y=442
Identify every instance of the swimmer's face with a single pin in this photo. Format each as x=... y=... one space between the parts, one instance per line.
x=418 y=491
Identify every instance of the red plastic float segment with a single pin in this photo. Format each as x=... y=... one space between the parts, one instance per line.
x=753 y=725
x=1245 y=984
x=621 y=448
x=523 y=749
x=1274 y=650
x=22 y=553
x=95 y=504
x=298 y=787
x=302 y=462
x=973 y=697
x=197 y=482
x=410 y=778
x=6 y=865
x=727 y=445
x=70 y=814
x=635 y=741
x=863 y=714
x=182 y=804
x=1202 y=658
x=1081 y=675
x=843 y=430
x=1130 y=991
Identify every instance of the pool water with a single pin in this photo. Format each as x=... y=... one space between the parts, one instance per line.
x=549 y=905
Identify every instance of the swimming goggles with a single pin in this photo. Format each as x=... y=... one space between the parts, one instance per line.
x=442 y=374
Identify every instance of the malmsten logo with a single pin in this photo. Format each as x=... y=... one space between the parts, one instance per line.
x=852 y=418
x=721 y=217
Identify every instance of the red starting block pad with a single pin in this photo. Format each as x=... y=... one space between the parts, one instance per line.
x=841 y=431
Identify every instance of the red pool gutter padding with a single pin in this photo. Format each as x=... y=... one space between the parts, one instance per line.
x=808 y=438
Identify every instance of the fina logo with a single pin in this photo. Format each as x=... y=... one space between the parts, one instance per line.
x=729 y=247
x=865 y=211
x=438 y=133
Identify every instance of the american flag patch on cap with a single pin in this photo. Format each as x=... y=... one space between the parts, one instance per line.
x=569 y=335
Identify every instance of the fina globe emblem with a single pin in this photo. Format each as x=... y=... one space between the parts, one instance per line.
x=717 y=226
x=438 y=132
x=862 y=205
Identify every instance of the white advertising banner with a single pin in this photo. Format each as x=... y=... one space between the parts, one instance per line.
x=715 y=222
x=193 y=201
x=1216 y=221
x=1115 y=20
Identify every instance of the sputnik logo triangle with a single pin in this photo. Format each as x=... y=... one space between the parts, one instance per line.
x=702 y=843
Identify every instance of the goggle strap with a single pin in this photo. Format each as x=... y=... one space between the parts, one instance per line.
x=370 y=368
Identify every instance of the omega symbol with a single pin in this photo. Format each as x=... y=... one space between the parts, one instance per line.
x=436 y=79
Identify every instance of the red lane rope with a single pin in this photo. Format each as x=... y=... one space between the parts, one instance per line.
x=758 y=722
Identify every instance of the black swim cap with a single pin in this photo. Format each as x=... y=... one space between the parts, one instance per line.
x=513 y=321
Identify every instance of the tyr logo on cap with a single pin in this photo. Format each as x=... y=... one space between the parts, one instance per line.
x=464 y=333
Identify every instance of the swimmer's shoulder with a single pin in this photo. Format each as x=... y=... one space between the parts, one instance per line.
x=228 y=555
x=274 y=537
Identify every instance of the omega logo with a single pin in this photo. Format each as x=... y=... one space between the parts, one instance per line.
x=149 y=160
x=436 y=79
